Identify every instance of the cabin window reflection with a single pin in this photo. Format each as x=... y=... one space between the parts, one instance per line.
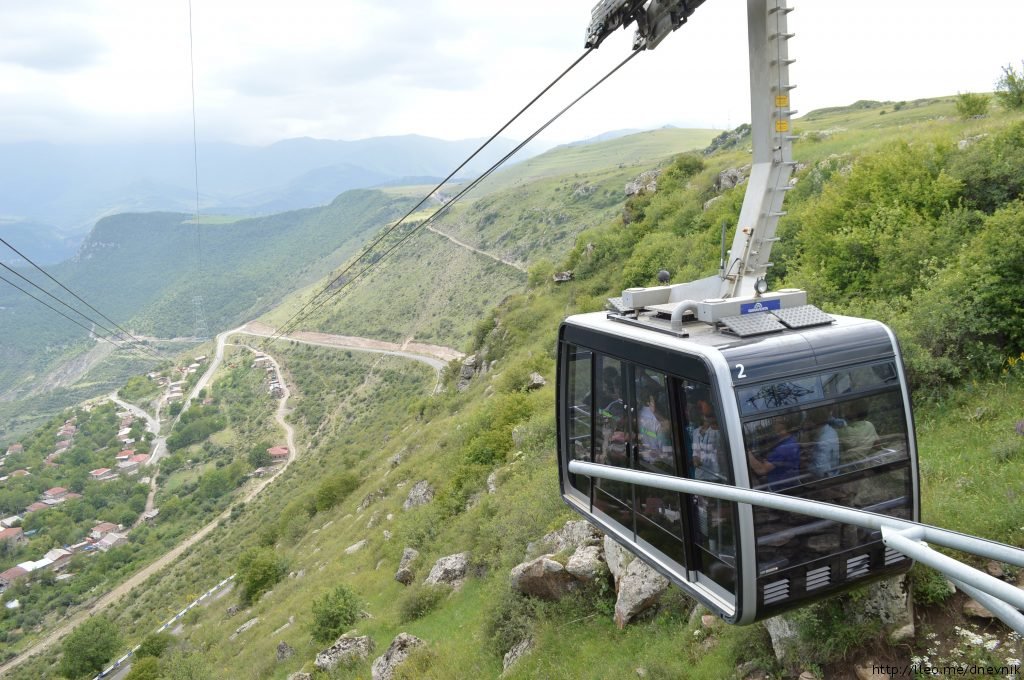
x=845 y=443
x=581 y=408
x=613 y=436
x=706 y=459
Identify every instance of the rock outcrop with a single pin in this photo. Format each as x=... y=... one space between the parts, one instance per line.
x=450 y=570
x=587 y=564
x=573 y=534
x=644 y=183
x=244 y=627
x=420 y=494
x=517 y=652
x=345 y=649
x=544 y=578
x=617 y=558
x=405 y=574
x=640 y=588
x=284 y=651
x=399 y=650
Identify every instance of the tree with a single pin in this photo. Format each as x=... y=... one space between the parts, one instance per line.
x=971 y=105
x=1010 y=88
x=258 y=570
x=259 y=457
x=145 y=668
x=333 y=613
x=154 y=645
x=89 y=647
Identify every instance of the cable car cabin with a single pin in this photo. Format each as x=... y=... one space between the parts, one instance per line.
x=792 y=401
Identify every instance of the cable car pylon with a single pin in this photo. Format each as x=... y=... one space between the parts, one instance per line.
x=755 y=450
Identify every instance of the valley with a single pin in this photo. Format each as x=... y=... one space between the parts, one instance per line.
x=420 y=413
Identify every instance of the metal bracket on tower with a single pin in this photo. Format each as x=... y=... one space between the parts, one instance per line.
x=770 y=113
x=200 y=318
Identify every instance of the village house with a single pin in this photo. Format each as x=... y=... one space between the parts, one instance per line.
x=124 y=455
x=150 y=515
x=11 y=575
x=12 y=521
x=36 y=507
x=140 y=458
x=62 y=446
x=124 y=432
x=127 y=421
x=14 y=448
x=102 y=474
x=111 y=540
x=13 y=535
x=55 y=494
x=102 y=529
x=127 y=468
x=278 y=454
x=20 y=473
x=58 y=558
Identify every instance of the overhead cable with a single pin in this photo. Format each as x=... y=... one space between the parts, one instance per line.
x=71 y=292
x=293 y=322
x=74 y=321
x=440 y=184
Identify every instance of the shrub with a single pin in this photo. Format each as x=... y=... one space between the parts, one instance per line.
x=89 y=647
x=421 y=600
x=258 y=570
x=334 y=489
x=333 y=613
x=928 y=586
x=1010 y=88
x=969 y=104
x=510 y=621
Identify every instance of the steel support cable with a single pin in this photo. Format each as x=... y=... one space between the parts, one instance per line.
x=74 y=321
x=440 y=184
x=195 y=154
x=284 y=330
x=133 y=339
x=94 y=322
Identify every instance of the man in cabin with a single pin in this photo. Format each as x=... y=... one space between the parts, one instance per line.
x=781 y=466
x=824 y=443
x=706 y=445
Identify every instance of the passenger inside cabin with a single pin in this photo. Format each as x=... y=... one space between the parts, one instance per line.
x=653 y=428
x=822 y=443
x=707 y=449
x=612 y=417
x=780 y=468
x=858 y=439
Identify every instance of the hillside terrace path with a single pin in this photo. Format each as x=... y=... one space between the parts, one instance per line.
x=435 y=356
x=158 y=449
x=477 y=250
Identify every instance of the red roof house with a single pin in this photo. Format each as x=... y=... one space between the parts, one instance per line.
x=278 y=453
x=56 y=493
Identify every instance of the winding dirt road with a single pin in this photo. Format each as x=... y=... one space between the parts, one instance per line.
x=435 y=356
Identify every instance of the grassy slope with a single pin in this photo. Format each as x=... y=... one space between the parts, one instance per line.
x=529 y=213
x=434 y=435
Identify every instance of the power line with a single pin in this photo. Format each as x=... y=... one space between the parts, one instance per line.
x=197 y=298
x=74 y=321
x=134 y=339
x=440 y=184
x=291 y=323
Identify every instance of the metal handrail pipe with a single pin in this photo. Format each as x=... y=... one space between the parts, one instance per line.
x=767 y=499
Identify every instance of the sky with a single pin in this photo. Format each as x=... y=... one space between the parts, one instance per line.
x=93 y=71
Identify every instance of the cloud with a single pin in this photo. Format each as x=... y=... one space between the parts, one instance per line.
x=55 y=41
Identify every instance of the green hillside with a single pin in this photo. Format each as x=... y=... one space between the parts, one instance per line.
x=141 y=269
x=913 y=216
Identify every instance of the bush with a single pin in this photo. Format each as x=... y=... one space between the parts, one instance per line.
x=928 y=586
x=89 y=647
x=154 y=645
x=333 y=613
x=421 y=600
x=1010 y=88
x=258 y=570
x=510 y=621
x=970 y=105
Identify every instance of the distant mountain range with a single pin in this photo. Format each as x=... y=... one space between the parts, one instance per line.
x=55 y=193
